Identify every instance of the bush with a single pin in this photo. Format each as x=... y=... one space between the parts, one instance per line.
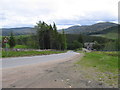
x=98 y=46
x=77 y=44
x=78 y=49
x=111 y=46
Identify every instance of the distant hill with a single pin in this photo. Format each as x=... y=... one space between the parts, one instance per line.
x=18 y=31
x=89 y=28
x=86 y=29
x=113 y=29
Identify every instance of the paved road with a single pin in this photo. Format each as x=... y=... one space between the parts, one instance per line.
x=21 y=61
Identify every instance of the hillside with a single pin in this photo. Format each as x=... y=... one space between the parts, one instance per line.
x=111 y=33
x=89 y=29
x=18 y=31
x=113 y=29
x=86 y=29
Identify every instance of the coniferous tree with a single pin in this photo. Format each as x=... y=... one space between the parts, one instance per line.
x=11 y=40
x=39 y=34
x=64 y=41
x=54 y=28
x=80 y=39
x=49 y=38
x=55 y=36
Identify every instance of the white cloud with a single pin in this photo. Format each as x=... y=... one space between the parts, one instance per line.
x=16 y=13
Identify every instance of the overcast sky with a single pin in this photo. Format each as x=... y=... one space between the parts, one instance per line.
x=65 y=13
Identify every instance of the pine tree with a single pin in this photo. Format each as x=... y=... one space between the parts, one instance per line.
x=54 y=28
x=12 y=41
x=64 y=41
x=39 y=34
x=80 y=39
x=55 y=36
x=49 y=38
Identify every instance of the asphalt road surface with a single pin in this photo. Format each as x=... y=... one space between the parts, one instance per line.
x=22 y=61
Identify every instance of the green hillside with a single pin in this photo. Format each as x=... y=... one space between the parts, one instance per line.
x=110 y=33
x=85 y=29
x=89 y=29
x=18 y=31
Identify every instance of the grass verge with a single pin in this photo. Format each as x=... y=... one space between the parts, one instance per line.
x=28 y=53
x=103 y=64
x=103 y=61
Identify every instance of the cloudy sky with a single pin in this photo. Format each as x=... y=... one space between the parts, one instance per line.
x=65 y=13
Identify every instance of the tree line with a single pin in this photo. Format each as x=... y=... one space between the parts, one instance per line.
x=47 y=37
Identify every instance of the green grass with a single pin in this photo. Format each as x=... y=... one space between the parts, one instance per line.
x=19 y=36
x=0 y=38
x=28 y=53
x=80 y=51
x=108 y=35
x=21 y=46
x=102 y=61
x=103 y=66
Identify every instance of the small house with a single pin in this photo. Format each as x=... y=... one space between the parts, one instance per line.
x=89 y=45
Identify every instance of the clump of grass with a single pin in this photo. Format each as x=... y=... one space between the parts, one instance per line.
x=28 y=53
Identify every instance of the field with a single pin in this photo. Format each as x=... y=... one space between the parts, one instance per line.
x=111 y=35
x=21 y=46
x=28 y=53
x=102 y=65
x=108 y=35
